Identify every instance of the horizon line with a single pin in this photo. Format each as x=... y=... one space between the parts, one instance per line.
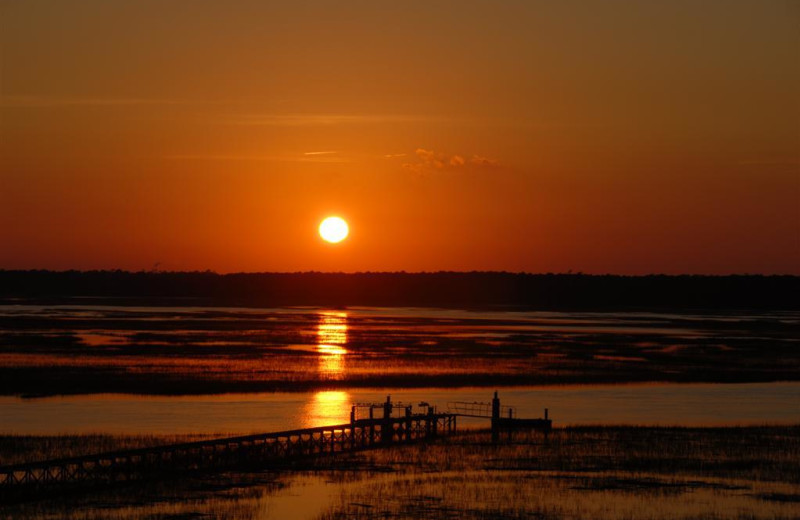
x=400 y=272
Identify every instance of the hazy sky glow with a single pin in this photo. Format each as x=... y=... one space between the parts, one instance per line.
x=596 y=136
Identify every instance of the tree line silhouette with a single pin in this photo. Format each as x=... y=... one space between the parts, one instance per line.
x=459 y=289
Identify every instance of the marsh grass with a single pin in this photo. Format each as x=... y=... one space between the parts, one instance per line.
x=514 y=495
x=224 y=496
x=587 y=472
x=600 y=472
x=769 y=453
x=66 y=351
x=17 y=449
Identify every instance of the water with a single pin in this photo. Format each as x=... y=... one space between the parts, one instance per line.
x=131 y=349
x=662 y=404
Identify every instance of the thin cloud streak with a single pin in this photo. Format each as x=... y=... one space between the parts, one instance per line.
x=428 y=160
x=47 y=102
x=257 y=158
x=329 y=119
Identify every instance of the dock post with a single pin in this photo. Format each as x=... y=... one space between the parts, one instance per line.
x=495 y=418
x=353 y=426
x=371 y=427
x=387 y=430
x=428 y=423
x=547 y=426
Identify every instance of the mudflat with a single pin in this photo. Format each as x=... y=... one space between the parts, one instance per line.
x=175 y=350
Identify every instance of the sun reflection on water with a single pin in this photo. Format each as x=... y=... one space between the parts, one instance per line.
x=327 y=408
x=331 y=338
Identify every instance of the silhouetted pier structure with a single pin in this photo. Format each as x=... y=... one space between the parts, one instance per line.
x=257 y=451
x=504 y=418
x=247 y=452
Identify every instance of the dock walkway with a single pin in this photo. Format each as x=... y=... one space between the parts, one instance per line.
x=258 y=451
x=249 y=451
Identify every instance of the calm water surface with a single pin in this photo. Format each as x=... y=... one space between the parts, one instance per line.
x=332 y=345
x=668 y=404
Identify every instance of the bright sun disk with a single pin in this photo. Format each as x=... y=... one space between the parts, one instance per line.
x=333 y=229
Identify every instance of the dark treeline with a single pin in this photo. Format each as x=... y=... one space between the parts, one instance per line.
x=443 y=289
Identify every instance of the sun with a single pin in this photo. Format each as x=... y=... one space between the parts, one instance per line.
x=333 y=229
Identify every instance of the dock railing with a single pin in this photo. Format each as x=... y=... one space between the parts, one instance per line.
x=249 y=451
x=259 y=450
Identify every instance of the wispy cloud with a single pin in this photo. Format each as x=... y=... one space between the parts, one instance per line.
x=483 y=161
x=46 y=102
x=428 y=160
x=321 y=153
x=392 y=155
x=313 y=157
x=325 y=119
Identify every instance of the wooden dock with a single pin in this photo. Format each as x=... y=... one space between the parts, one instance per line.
x=253 y=452
x=246 y=452
x=504 y=418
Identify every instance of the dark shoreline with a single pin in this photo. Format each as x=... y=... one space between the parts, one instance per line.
x=440 y=289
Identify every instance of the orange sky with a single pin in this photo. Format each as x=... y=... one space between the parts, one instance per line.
x=613 y=136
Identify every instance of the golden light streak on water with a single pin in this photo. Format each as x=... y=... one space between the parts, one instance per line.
x=327 y=408
x=331 y=338
x=332 y=328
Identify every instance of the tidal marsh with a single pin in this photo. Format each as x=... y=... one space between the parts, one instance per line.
x=586 y=472
x=81 y=350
